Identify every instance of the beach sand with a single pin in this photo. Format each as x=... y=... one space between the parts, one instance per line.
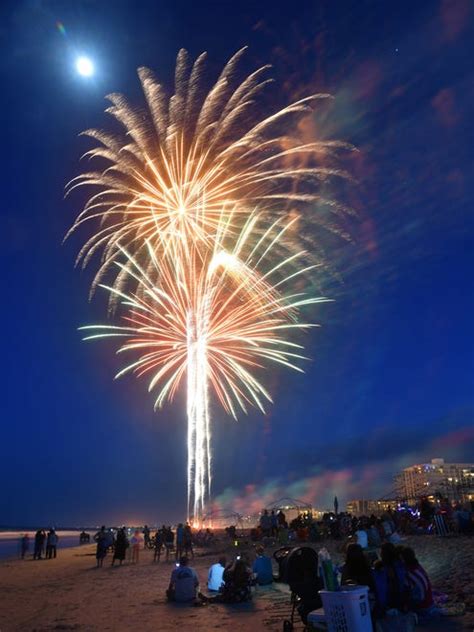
x=69 y=593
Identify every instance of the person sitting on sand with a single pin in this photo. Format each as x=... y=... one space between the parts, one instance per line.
x=215 y=578
x=361 y=535
x=262 y=567
x=121 y=546
x=391 y=587
x=421 y=596
x=102 y=539
x=184 y=583
x=236 y=587
x=356 y=569
x=136 y=541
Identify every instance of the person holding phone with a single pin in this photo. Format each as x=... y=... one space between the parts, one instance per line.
x=184 y=583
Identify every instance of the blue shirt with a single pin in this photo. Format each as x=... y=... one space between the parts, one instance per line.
x=263 y=569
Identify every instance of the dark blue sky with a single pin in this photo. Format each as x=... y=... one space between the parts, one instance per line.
x=392 y=376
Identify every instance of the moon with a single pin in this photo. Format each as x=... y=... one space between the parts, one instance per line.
x=84 y=66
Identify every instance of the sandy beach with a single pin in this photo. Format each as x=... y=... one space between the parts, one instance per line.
x=69 y=593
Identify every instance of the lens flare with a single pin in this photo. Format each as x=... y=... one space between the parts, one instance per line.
x=84 y=66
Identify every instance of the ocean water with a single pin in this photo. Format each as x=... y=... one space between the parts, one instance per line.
x=10 y=542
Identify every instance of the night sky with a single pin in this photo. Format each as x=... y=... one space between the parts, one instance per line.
x=391 y=379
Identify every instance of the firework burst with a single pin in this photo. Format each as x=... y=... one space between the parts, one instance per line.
x=183 y=161
x=192 y=209
x=217 y=321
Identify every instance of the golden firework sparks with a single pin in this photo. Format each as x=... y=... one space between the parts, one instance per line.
x=217 y=321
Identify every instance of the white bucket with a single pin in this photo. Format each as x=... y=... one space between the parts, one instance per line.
x=347 y=610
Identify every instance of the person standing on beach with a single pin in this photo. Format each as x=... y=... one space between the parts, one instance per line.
x=136 y=541
x=179 y=540
x=39 y=543
x=121 y=546
x=102 y=540
x=146 y=534
x=51 y=544
x=24 y=545
x=266 y=524
x=158 y=545
x=169 y=541
x=188 y=541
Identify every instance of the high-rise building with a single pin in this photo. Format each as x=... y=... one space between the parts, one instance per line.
x=454 y=481
x=365 y=507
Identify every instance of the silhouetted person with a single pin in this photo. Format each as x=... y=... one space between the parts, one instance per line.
x=274 y=523
x=146 y=535
x=265 y=523
x=24 y=545
x=39 y=543
x=102 y=539
x=179 y=540
x=356 y=569
x=169 y=541
x=51 y=544
x=188 y=541
x=157 y=545
x=121 y=546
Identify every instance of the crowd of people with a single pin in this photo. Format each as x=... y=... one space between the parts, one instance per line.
x=374 y=556
x=227 y=582
x=174 y=544
x=370 y=531
x=45 y=545
x=396 y=580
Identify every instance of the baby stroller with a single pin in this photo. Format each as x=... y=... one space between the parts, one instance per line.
x=299 y=569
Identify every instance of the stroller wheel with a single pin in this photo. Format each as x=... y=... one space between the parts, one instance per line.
x=287 y=626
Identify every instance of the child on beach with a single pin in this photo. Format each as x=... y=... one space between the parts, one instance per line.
x=136 y=541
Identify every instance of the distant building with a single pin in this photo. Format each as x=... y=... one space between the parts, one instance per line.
x=454 y=481
x=366 y=507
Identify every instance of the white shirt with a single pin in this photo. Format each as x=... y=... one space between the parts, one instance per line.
x=215 y=578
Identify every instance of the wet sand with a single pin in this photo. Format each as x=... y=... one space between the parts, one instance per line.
x=69 y=593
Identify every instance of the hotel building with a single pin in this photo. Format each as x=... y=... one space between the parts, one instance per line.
x=454 y=481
